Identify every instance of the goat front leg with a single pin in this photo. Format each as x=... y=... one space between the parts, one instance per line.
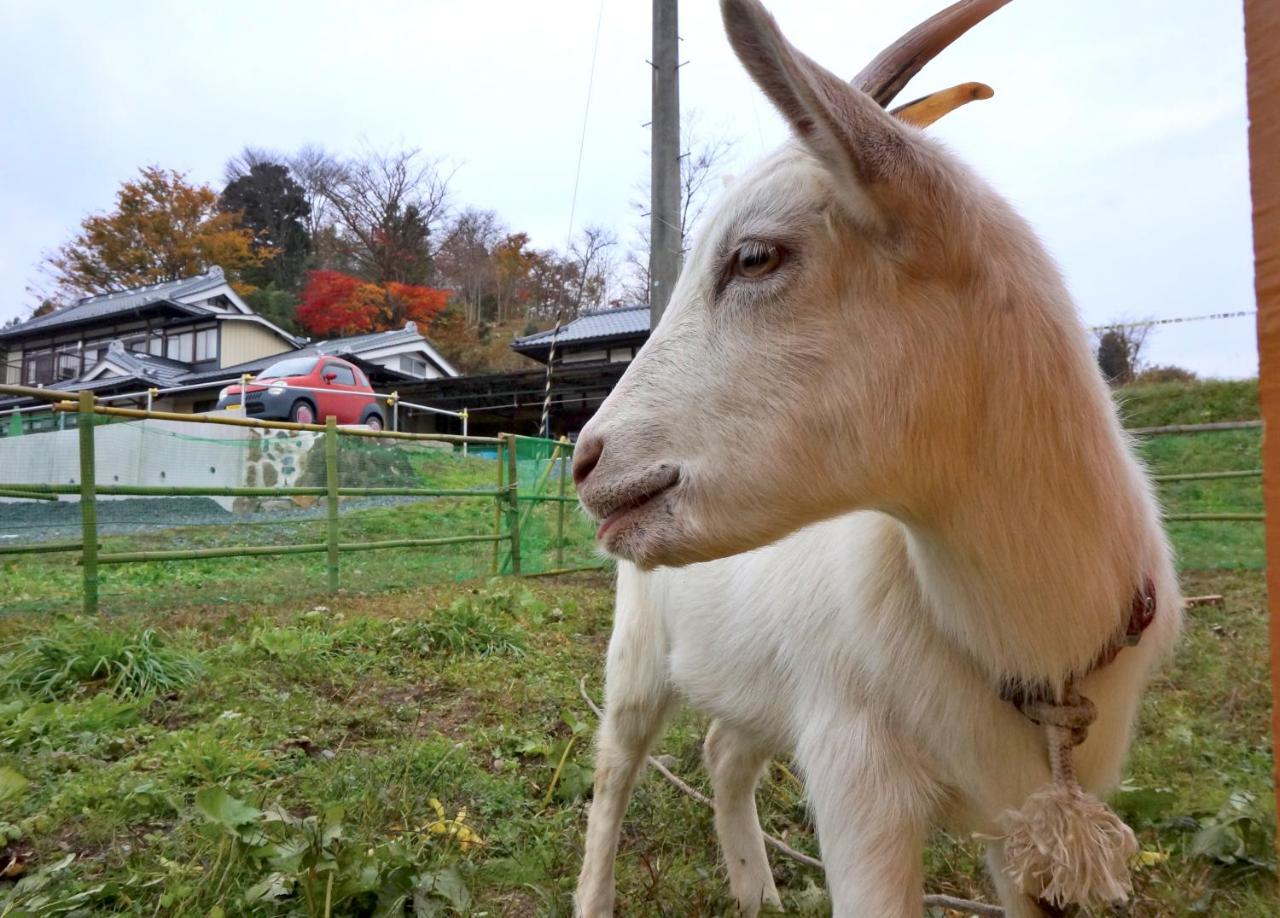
x=629 y=729
x=638 y=698
x=735 y=762
x=872 y=804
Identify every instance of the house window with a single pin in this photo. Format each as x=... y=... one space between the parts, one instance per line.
x=155 y=344
x=37 y=367
x=207 y=344
x=136 y=343
x=180 y=347
x=67 y=365
x=414 y=366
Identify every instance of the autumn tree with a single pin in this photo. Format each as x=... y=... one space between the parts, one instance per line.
x=162 y=228
x=337 y=305
x=274 y=207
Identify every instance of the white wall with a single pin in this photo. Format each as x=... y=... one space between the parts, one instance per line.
x=165 y=453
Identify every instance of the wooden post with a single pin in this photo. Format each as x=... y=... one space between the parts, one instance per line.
x=331 y=487
x=88 y=506
x=1262 y=52
x=567 y=454
x=513 y=504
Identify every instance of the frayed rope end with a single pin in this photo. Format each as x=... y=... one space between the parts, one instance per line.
x=1067 y=847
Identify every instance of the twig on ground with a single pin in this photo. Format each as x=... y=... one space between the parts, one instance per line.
x=935 y=900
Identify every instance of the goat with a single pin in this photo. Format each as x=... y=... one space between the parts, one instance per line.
x=867 y=486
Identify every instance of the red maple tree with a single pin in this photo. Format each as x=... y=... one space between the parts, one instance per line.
x=336 y=304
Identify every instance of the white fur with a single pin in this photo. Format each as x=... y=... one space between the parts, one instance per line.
x=905 y=482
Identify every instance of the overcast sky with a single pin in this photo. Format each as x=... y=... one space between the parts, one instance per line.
x=1118 y=126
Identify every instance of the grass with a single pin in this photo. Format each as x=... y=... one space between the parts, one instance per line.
x=414 y=741
x=1189 y=403
x=432 y=743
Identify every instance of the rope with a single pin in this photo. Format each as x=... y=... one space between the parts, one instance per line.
x=934 y=900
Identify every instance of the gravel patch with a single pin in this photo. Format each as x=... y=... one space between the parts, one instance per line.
x=31 y=521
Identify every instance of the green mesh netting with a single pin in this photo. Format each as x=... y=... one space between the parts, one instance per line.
x=456 y=495
x=554 y=532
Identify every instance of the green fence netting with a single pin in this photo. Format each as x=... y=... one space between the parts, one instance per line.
x=391 y=494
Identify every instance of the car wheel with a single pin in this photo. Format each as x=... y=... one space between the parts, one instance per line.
x=373 y=422
x=302 y=413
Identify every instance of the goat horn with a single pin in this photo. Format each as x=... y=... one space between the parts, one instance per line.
x=924 y=111
x=889 y=71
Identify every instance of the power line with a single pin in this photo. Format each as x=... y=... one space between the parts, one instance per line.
x=1177 y=320
x=545 y=429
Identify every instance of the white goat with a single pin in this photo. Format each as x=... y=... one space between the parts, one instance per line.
x=872 y=412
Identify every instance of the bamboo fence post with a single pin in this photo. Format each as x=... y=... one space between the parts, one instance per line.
x=331 y=485
x=564 y=442
x=513 y=504
x=498 y=497
x=88 y=507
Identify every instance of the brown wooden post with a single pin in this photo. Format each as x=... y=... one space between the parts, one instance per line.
x=1262 y=49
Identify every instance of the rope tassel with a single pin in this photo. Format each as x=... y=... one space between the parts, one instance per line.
x=1065 y=846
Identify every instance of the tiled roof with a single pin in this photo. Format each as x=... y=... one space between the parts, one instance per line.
x=601 y=323
x=111 y=304
x=149 y=366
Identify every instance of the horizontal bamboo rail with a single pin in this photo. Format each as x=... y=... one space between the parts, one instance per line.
x=47 y=395
x=1215 y=518
x=24 y=490
x=1194 y=428
x=139 y=414
x=40 y=548
x=26 y=495
x=195 y=554
x=1208 y=476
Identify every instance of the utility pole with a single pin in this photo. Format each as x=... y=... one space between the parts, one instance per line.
x=666 y=245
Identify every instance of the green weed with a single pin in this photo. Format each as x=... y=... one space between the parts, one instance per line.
x=76 y=654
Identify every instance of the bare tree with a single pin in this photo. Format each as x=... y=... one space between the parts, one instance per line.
x=589 y=256
x=389 y=208
x=317 y=171
x=464 y=260
x=1119 y=350
x=701 y=168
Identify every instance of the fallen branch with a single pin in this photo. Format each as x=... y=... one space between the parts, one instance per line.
x=934 y=900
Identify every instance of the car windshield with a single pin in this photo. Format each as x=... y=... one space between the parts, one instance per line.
x=297 y=366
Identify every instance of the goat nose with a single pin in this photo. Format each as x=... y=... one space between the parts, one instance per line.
x=586 y=455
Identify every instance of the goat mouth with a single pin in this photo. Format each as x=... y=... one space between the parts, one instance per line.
x=636 y=501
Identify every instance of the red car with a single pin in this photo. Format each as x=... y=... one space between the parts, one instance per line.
x=308 y=390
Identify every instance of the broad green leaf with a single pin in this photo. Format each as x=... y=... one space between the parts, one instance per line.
x=220 y=807
x=12 y=784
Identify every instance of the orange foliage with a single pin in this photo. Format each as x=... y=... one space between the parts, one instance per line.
x=162 y=229
x=336 y=304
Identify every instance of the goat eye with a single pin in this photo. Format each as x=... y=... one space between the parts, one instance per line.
x=756 y=259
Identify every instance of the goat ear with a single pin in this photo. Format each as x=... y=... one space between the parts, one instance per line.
x=843 y=126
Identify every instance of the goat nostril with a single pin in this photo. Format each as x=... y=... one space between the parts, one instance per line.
x=585 y=458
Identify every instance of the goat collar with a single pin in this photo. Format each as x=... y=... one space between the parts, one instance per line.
x=1142 y=611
